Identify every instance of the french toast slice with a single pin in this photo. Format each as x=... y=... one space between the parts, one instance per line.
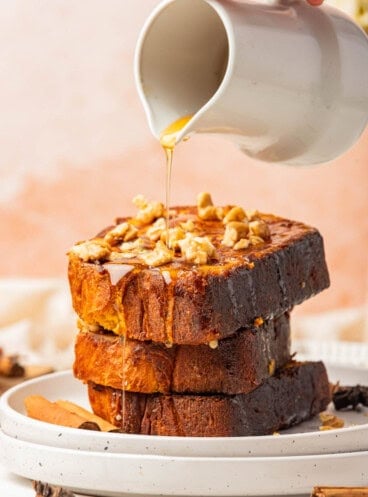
x=237 y=364
x=184 y=303
x=295 y=393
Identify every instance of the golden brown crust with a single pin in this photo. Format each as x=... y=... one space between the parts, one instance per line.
x=295 y=393
x=187 y=304
x=237 y=364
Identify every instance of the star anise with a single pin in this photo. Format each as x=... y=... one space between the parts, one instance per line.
x=46 y=490
x=350 y=397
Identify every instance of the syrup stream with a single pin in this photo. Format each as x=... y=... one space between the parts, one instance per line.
x=168 y=140
x=169 y=152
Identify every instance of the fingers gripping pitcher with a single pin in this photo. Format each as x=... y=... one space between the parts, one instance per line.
x=287 y=82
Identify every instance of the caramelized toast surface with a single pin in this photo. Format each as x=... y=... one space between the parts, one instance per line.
x=237 y=364
x=184 y=303
x=294 y=394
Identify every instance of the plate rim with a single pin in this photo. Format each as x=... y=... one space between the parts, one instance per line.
x=4 y=404
x=148 y=474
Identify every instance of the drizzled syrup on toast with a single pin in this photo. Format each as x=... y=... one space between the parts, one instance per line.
x=123 y=408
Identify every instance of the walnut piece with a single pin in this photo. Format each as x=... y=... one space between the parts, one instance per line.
x=91 y=250
x=235 y=214
x=256 y=240
x=242 y=244
x=138 y=245
x=123 y=232
x=252 y=214
x=154 y=232
x=206 y=210
x=188 y=225
x=259 y=228
x=204 y=200
x=172 y=237
x=158 y=256
x=330 y=421
x=147 y=211
x=234 y=231
x=196 y=249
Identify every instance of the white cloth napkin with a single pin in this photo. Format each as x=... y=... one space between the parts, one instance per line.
x=37 y=321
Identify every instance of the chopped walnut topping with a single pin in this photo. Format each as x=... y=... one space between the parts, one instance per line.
x=118 y=256
x=130 y=246
x=235 y=214
x=210 y=213
x=204 y=200
x=138 y=245
x=256 y=240
x=213 y=344
x=242 y=244
x=146 y=236
x=196 y=249
x=252 y=214
x=234 y=231
x=174 y=235
x=188 y=225
x=158 y=256
x=123 y=232
x=148 y=211
x=330 y=421
x=154 y=232
x=140 y=201
x=206 y=210
x=91 y=250
x=259 y=228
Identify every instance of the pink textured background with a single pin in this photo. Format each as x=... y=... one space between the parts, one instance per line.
x=75 y=148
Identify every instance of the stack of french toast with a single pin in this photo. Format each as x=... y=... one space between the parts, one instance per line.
x=184 y=320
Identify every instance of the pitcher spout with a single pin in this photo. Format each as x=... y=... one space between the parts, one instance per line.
x=181 y=61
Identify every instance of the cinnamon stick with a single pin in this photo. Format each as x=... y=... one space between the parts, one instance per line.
x=38 y=407
x=10 y=367
x=64 y=413
x=340 y=492
x=80 y=411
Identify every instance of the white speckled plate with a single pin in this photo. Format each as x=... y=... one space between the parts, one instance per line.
x=115 y=475
x=301 y=440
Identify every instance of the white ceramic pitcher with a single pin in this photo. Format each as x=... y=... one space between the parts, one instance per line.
x=286 y=81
